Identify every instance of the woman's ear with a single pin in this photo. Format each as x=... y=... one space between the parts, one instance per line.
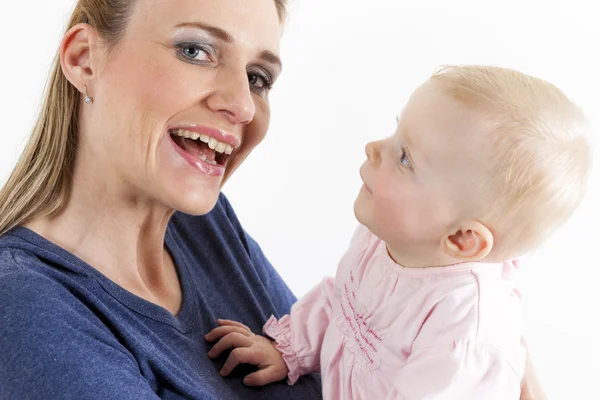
x=76 y=54
x=471 y=241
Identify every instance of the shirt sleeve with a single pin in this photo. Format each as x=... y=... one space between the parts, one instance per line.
x=299 y=336
x=52 y=347
x=466 y=370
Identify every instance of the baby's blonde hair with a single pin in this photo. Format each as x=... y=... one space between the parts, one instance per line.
x=541 y=158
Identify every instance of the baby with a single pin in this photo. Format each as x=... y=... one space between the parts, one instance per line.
x=485 y=163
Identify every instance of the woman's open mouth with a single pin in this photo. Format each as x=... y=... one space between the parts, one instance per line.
x=203 y=147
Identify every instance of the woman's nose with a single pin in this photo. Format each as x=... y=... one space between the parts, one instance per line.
x=233 y=98
x=373 y=150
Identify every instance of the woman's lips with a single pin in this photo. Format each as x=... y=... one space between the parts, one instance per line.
x=197 y=163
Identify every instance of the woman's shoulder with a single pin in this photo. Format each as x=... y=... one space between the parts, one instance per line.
x=16 y=262
x=219 y=244
x=36 y=283
x=24 y=288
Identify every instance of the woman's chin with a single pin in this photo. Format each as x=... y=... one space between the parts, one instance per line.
x=198 y=206
x=190 y=199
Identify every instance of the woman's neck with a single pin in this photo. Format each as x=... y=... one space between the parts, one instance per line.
x=118 y=234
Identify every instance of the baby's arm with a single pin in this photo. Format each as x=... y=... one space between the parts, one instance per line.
x=469 y=347
x=467 y=370
x=296 y=346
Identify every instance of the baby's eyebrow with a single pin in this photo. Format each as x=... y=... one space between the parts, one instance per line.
x=399 y=115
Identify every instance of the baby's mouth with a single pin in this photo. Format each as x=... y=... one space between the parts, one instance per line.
x=204 y=147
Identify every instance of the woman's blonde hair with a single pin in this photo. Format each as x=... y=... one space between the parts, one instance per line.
x=40 y=183
x=542 y=157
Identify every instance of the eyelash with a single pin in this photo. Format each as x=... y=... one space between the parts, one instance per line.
x=265 y=76
x=209 y=51
x=404 y=156
x=181 y=47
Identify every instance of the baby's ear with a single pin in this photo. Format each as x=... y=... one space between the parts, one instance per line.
x=470 y=241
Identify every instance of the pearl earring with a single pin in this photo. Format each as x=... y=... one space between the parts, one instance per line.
x=87 y=98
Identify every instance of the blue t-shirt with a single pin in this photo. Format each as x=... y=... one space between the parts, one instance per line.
x=68 y=332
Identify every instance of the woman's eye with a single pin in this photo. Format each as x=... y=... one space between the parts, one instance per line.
x=194 y=52
x=259 y=82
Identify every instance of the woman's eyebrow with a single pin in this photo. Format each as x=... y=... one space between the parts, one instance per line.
x=226 y=37
x=213 y=30
x=270 y=57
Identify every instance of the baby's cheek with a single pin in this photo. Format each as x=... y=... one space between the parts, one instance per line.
x=395 y=215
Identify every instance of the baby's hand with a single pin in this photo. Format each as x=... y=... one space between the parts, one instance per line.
x=248 y=349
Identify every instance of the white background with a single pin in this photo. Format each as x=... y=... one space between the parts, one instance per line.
x=349 y=67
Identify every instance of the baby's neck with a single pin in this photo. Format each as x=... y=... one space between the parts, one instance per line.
x=414 y=261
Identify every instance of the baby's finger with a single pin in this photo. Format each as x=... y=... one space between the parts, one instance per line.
x=234 y=339
x=242 y=355
x=228 y=322
x=221 y=331
x=262 y=377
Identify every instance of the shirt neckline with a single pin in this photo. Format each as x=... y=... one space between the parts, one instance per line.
x=183 y=321
x=386 y=261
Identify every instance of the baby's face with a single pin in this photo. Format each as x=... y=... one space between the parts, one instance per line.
x=419 y=183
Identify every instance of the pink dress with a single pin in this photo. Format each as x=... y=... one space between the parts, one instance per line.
x=382 y=331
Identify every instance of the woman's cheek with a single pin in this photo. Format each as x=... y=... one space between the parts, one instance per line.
x=253 y=134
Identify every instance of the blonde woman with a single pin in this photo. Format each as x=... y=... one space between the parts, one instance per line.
x=106 y=290
x=118 y=251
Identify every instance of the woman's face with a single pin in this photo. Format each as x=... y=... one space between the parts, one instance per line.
x=185 y=73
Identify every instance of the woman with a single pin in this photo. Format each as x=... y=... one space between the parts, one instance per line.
x=108 y=282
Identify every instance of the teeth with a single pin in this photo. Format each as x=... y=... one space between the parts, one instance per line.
x=203 y=158
x=213 y=143
x=183 y=132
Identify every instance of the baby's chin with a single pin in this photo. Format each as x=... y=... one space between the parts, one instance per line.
x=359 y=212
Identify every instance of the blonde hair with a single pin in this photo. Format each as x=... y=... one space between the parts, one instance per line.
x=542 y=157
x=40 y=183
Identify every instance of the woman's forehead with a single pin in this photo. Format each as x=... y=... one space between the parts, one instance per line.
x=250 y=23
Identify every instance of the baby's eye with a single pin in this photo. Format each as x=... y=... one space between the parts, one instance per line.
x=404 y=160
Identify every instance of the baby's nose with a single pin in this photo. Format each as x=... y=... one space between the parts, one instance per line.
x=373 y=152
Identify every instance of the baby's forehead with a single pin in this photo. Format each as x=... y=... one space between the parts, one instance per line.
x=442 y=132
x=431 y=112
